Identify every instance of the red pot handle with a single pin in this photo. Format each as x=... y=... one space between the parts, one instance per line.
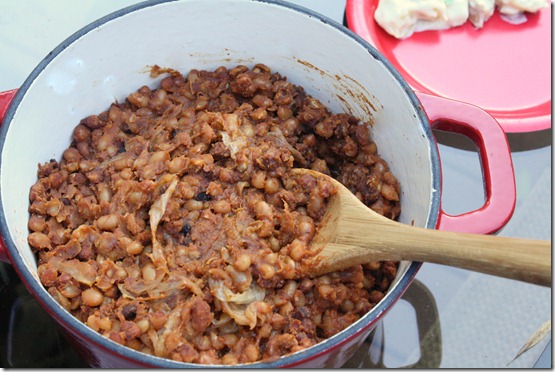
x=495 y=158
x=5 y=100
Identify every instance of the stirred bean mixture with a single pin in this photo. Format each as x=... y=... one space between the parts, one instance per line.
x=172 y=224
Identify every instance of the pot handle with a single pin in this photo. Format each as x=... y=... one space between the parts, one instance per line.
x=5 y=100
x=495 y=159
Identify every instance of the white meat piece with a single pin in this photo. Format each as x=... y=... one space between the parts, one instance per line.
x=479 y=11
x=457 y=15
x=513 y=11
x=515 y=7
x=399 y=17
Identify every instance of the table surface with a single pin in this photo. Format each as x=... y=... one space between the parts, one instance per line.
x=449 y=318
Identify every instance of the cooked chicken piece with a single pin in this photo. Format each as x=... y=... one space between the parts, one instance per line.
x=401 y=18
x=479 y=11
x=514 y=7
x=457 y=15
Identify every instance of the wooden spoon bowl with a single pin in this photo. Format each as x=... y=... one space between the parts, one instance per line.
x=351 y=233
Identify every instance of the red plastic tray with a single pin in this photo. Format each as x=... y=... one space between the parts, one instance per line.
x=503 y=68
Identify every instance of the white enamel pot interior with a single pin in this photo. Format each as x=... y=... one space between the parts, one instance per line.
x=110 y=58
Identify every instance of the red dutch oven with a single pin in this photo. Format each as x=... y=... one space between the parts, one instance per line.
x=110 y=58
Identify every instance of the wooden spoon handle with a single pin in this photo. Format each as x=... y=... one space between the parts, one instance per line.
x=521 y=259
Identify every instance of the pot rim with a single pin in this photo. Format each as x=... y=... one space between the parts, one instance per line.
x=78 y=328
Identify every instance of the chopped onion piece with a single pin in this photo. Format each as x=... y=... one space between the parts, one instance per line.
x=156 y=212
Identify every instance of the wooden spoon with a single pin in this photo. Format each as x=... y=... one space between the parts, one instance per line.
x=351 y=233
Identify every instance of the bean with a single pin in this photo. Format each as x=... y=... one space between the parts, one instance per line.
x=138 y=99
x=286 y=309
x=347 y=306
x=284 y=112
x=324 y=129
x=214 y=189
x=263 y=210
x=134 y=247
x=273 y=242
x=105 y=324
x=36 y=223
x=259 y=114
x=315 y=205
x=251 y=353
x=202 y=343
x=306 y=285
x=216 y=341
x=258 y=180
x=149 y=272
x=120 y=274
x=289 y=126
x=317 y=319
x=103 y=142
x=389 y=178
x=56 y=179
x=92 y=297
x=229 y=359
x=193 y=205
x=116 y=325
x=289 y=288
x=271 y=186
x=262 y=101
x=306 y=229
x=104 y=192
x=92 y=322
x=143 y=325
x=187 y=191
x=380 y=166
x=242 y=163
x=158 y=98
x=126 y=174
x=72 y=155
x=243 y=262
x=84 y=148
x=70 y=290
x=388 y=192
x=53 y=207
x=108 y=222
x=350 y=148
x=288 y=271
x=271 y=258
x=326 y=291
x=39 y=240
x=178 y=164
x=121 y=162
x=267 y=271
x=298 y=250
x=81 y=133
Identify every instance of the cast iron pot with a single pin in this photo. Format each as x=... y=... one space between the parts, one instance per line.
x=110 y=58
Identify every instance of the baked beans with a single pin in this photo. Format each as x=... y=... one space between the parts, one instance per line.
x=173 y=225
